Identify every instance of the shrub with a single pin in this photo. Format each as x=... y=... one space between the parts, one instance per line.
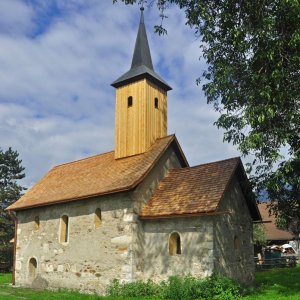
x=133 y=289
x=181 y=288
x=215 y=287
x=218 y=287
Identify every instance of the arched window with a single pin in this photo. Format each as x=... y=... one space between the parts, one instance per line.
x=129 y=101
x=237 y=243
x=156 y=103
x=174 y=244
x=97 y=218
x=64 y=229
x=36 y=224
x=32 y=267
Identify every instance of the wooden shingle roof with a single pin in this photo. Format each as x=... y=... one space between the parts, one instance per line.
x=94 y=176
x=195 y=190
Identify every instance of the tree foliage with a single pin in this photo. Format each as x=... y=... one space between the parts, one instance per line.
x=11 y=171
x=259 y=234
x=252 y=50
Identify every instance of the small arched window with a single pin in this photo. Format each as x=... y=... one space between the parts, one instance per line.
x=156 y=103
x=129 y=101
x=64 y=229
x=97 y=218
x=237 y=243
x=174 y=244
x=36 y=224
x=32 y=266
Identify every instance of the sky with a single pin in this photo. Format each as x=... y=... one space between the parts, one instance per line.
x=57 y=61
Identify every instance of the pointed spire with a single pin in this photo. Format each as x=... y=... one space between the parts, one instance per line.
x=141 y=65
x=142 y=55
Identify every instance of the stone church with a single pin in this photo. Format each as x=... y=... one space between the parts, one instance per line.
x=139 y=211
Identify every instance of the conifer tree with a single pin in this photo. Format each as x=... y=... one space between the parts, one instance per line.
x=11 y=171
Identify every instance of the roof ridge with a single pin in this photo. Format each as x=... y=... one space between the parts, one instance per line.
x=81 y=159
x=149 y=149
x=205 y=164
x=89 y=157
x=172 y=137
x=164 y=137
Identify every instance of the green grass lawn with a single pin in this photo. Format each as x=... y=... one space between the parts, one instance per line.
x=276 y=284
x=7 y=292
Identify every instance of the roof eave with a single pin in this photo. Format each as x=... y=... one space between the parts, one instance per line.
x=183 y=215
x=184 y=162
x=121 y=82
x=116 y=191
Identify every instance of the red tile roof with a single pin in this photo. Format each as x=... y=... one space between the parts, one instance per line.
x=93 y=176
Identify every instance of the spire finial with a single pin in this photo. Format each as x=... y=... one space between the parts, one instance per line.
x=142 y=13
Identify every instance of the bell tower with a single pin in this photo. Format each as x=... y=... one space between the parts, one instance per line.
x=141 y=102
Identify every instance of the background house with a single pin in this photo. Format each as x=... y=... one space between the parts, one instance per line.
x=273 y=233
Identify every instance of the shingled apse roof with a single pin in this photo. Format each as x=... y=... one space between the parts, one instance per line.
x=97 y=175
x=195 y=190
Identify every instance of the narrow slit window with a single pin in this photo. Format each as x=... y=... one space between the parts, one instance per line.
x=174 y=244
x=97 y=218
x=36 y=225
x=237 y=243
x=129 y=101
x=64 y=229
x=156 y=103
x=32 y=267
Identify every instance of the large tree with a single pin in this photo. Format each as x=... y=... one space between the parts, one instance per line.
x=252 y=51
x=11 y=171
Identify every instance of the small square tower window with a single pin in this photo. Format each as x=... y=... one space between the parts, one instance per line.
x=156 y=103
x=129 y=101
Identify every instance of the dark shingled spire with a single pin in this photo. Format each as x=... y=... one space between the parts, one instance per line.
x=142 y=55
x=141 y=66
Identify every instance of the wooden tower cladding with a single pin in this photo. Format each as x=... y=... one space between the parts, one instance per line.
x=141 y=117
x=141 y=102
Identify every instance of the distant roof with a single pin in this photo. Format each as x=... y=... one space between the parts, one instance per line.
x=94 y=176
x=197 y=190
x=141 y=66
x=273 y=233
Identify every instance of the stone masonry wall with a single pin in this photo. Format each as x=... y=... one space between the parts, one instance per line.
x=233 y=237
x=197 y=252
x=141 y=196
x=93 y=256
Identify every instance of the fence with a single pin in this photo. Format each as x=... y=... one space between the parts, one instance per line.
x=4 y=267
x=280 y=262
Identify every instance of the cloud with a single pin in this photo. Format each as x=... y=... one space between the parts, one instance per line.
x=15 y=17
x=57 y=62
